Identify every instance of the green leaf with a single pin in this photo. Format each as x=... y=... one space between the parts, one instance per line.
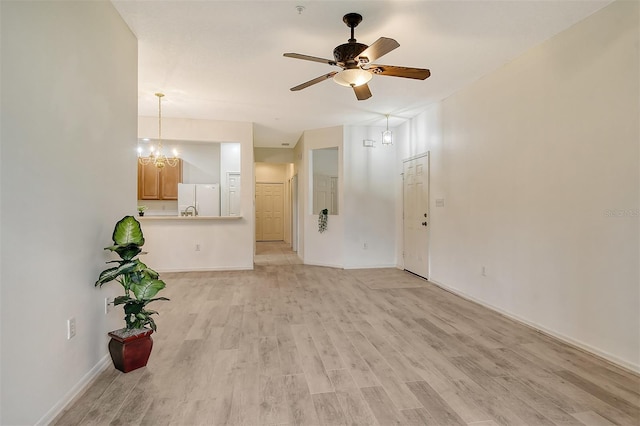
x=150 y=272
x=128 y=252
x=127 y=231
x=111 y=274
x=133 y=307
x=152 y=324
x=147 y=288
x=121 y=300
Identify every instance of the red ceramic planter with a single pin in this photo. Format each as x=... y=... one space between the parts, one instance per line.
x=130 y=352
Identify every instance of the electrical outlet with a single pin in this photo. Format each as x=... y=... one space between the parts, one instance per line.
x=197 y=247
x=484 y=271
x=365 y=246
x=71 y=328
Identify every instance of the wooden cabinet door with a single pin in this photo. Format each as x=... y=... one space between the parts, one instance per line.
x=170 y=177
x=148 y=182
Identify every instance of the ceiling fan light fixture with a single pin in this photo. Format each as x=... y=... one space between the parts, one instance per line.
x=352 y=77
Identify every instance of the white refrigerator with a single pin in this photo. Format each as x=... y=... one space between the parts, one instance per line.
x=205 y=197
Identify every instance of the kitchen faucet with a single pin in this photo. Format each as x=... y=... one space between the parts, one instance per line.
x=195 y=211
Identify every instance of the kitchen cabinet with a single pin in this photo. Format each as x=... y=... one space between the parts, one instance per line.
x=158 y=184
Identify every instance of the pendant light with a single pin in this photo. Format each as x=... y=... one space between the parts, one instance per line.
x=387 y=135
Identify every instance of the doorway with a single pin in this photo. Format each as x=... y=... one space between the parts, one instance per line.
x=275 y=253
x=269 y=212
x=416 y=215
x=294 y=213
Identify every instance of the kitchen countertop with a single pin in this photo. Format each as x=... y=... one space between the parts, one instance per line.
x=167 y=217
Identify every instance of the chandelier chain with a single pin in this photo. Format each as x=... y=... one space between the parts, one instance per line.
x=160 y=95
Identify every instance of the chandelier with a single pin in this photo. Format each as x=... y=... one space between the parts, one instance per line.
x=156 y=155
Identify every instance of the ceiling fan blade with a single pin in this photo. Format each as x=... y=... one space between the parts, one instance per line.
x=310 y=58
x=314 y=81
x=406 y=72
x=380 y=47
x=362 y=92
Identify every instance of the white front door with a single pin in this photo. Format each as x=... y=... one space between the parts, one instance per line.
x=416 y=215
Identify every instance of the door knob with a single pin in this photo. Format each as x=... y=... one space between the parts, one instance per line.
x=424 y=223
x=425 y=215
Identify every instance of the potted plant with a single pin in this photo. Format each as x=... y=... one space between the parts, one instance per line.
x=322 y=220
x=141 y=210
x=131 y=346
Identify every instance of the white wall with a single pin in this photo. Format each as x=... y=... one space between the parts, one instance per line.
x=369 y=202
x=69 y=107
x=201 y=163
x=538 y=164
x=324 y=249
x=227 y=244
x=367 y=194
x=223 y=244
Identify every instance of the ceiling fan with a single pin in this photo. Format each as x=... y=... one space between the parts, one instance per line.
x=355 y=60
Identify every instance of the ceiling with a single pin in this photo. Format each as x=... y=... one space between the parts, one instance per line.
x=222 y=60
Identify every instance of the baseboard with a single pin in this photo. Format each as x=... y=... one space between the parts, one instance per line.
x=326 y=265
x=75 y=391
x=604 y=355
x=220 y=269
x=384 y=266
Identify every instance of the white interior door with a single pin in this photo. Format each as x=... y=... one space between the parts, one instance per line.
x=233 y=193
x=269 y=212
x=416 y=215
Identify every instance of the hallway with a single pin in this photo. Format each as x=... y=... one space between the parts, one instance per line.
x=275 y=253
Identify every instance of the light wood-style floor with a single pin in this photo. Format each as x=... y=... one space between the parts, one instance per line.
x=275 y=253
x=304 y=345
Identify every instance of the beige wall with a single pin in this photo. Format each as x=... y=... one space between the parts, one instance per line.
x=274 y=155
x=538 y=166
x=271 y=173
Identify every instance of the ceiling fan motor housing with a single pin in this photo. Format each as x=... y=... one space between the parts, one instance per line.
x=348 y=53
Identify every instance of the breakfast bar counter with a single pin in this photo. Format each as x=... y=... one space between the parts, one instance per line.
x=167 y=217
